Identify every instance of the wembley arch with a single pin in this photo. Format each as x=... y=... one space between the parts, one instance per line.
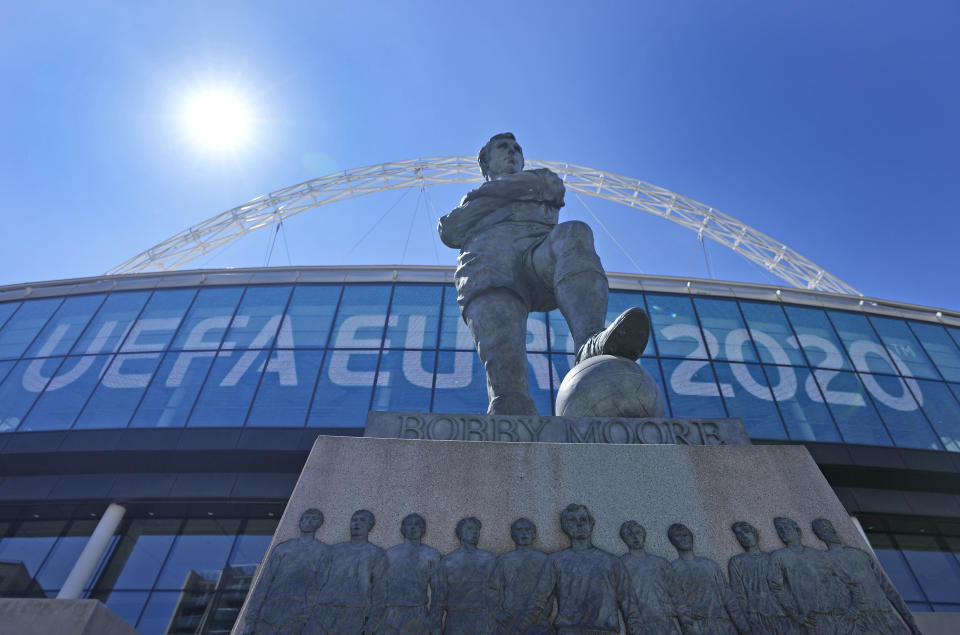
x=272 y=208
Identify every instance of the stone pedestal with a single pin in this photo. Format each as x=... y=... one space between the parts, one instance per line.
x=30 y=616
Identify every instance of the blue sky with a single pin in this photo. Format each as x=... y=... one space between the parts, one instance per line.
x=831 y=126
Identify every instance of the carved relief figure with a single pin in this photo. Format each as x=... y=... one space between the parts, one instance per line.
x=648 y=574
x=462 y=581
x=354 y=592
x=592 y=587
x=515 y=258
x=699 y=592
x=293 y=574
x=817 y=595
x=879 y=597
x=748 y=581
x=513 y=579
x=411 y=569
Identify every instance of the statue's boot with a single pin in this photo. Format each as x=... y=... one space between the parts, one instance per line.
x=626 y=337
x=512 y=403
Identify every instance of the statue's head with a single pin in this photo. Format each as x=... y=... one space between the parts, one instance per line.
x=747 y=535
x=825 y=531
x=523 y=532
x=633 y=534
x=310 y=520
x=680 y=537
x=468 y=530
x=361 y=523
x=576 y=521
x=500 y=155
x=787 y=529
x=413 y=527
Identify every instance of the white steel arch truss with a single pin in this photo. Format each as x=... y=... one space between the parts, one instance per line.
x=215 y=232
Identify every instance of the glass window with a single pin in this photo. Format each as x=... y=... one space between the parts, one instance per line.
x=747 y=396
x=21 y=388
x=112 y=322
x=899 y=410
x=24 y=326
x=6 y=310
x=693 y=388
x=5 y=367
x=675 y=327
x=414 y=317
x=802 y=409
x=126 y=604
x=362 y=317
x=771 y=333
x=405 y=380
x=229 y=388
x=461 y=383
x=139 y=555
x=252 y=544
x=201 y=548
x=852 y=408
x=536 y=332
x=63 y=329
x=64 y=555
x=817 y=338
x=157 y=614
x=942 y=410
x=342 y=398
x=907 y=354
x=29 y=546
x=940 y=347
x=158 y=323
x=309 y=316
x=207 y=321
x=258 y=318
x=454 y=332
x=937 y=571
x=66 y=393
x=173 y=390
x=866 y=352
x=896 y=567
x=722 y=320
x=120 y=389
x=286 y=388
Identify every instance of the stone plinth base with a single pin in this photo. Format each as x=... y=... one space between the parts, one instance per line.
x=30 y=616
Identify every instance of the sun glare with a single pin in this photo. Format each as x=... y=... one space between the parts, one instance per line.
x=218 y=120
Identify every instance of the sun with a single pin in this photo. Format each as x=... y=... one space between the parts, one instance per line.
x=217 y=120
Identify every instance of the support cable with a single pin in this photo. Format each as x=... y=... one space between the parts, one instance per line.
x=604 y=228
x=374 y=226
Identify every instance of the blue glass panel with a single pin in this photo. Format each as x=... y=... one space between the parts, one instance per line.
x=343 y=392
x=252 y=544
x=675 y=327
x=560 y=339
x=139 y=555
x=64 y=554
x=31 y=543
x=66 y=393
x=405 y=381
x=229 y=388
x=851 y=408
x=5 y=367
x=722 y=320
x=309 y=316
x=207 y=321
x=940 y=347
x=120 y=389
x=173 y=390
x=63 y=329
x=453 y=330
x=126 y=604
x=919 y=607
x=24 y=326
x=461 y=383
x=21 y=388
x=112 y=322
x=937 y=571
x=946 y=608
x=286 y=388
x=907 y=354
x=747 y=396
x=817 y=337
x=159 y=609
x=6 y=310
x=954 y=333
x=536 y=332
x=159 y=321
x=258 y=318
x=801 y=405
x=943 y=411
x=414 y=317
x=362 y=317
x=865 y=350
x=899 y=410
x=202 y=547
x=896 y=569
x=771 y=333
x=693 y=388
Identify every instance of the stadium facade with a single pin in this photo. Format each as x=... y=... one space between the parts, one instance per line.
x=192 y=399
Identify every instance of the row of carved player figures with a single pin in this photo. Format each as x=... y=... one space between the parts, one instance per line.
x=307 y=586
